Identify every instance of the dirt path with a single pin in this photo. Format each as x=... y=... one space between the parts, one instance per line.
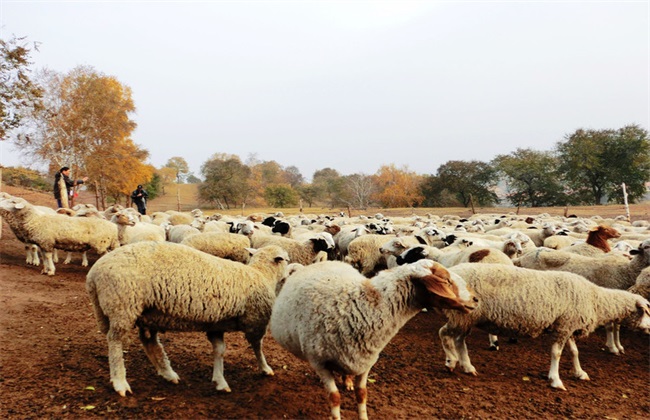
x=53 y=364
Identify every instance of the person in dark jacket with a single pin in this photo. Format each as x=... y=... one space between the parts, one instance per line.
x=63 y=187
x=139 y=197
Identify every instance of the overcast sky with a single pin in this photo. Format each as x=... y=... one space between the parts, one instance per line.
x=352 y=85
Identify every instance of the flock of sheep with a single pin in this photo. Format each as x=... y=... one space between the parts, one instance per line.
x=335 y=290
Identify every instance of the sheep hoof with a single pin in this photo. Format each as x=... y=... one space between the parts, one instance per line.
x=226 y=389
x=122 y=389
x=474 y=373
x=558 y=385
x=493 y=348
x=583 y=376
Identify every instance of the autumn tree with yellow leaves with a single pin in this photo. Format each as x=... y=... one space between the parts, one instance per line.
x=86 y=124
x=397 y=187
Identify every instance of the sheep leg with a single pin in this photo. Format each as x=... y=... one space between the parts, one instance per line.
x=554 y=372
x=55 y=256
x=334 y=396
x=349 y=382
x=157 y=355
x=255 y=339
x=218 y=350
x=614 y=345
x=461 y=350
x=68 y=258
x=48 y=265
x=577 y=369
x=447 y=341
x=494 y=342
x=84 y=259
x=361 y=393
x=116 y=363
x=31 y=252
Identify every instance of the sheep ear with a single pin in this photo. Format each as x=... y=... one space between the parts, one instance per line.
x=251 y=251
x=278 y=260
x=439 y=282
x=635 y=252
x=20 y=205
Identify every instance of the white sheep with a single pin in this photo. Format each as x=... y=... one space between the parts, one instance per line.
x=346 y=235
x=528 y=302
x=176 y=233
x=230 y=246
x=143 y=285
x=454 y=255
x=130 y=230
x=642 y=284
x=364 y=253
x=313 y=249
x=612 y=271
x=337 y=320
x=50 y=231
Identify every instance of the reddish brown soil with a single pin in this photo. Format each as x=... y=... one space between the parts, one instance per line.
x=53 y=364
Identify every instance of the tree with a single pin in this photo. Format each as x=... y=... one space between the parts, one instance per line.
x=329 y=184
x=226 y=181
x=180 y=166
x=192 y=179
x=262 y=175
x=86 y=124
x=359 y=188
x=532 y=178
x=596 y=162
x=293 y=176
x=469 y=180
x=309 y=193
x=19 y=95
x=281 y=195
x=154 y=187
x=167 y=177
x=435 y=194
x=397 y=187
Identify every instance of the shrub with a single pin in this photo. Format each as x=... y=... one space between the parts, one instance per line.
x=26 y=178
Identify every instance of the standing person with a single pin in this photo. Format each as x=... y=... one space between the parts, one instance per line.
x=139 y=197
x=63 y=186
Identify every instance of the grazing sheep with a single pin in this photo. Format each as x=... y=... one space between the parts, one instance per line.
x=50 y=231
x=143 y=285
x=230 y=246
x=316 y=248
x=528 y=302
x=337 y=320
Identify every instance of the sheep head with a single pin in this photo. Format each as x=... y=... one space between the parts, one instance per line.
x=443 y=289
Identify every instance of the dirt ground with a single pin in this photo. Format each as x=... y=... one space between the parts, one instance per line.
x=53 y=364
